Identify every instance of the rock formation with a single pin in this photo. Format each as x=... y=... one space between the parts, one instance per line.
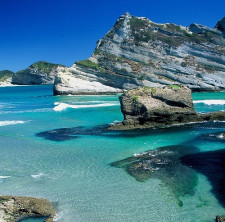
x=221 y=25
x=139 y=52
x=165 y=165
x=149 y=107
x=36 y=74
x=220 y=219
x=6 y=77
x=16 y=208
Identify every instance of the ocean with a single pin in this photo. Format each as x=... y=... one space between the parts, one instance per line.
x=56 y=147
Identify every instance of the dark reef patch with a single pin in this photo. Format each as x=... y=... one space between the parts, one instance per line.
x=63 y=134
x=212 y=165
x=164 y=164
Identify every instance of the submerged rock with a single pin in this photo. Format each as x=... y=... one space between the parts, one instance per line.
x=220 y=219
x=14 y=208
x=164 y=164
x=139 y=52
x=149 y=107
x=212 y=165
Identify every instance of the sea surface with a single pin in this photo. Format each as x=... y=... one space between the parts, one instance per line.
x=56 y=147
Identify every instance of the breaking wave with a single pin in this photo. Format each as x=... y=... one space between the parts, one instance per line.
x=37 y=176
x=4 y=177
x=63 y=106
x=11 y=122
x=211 y=102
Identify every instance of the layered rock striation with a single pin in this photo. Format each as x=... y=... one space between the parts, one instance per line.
x=139 y=52
x=149 y=107
x=14 y=208
x=36 y=74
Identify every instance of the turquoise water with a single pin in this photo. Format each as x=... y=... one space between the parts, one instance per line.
x=37 y=219
x=43 y=154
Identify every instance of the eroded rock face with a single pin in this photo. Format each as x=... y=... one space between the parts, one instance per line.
x=36 y=74
x=221 y=25
x=148 y=107
x=138 y=52
x=15 y=208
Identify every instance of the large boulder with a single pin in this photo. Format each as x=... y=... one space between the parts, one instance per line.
x=148 y=107
x=14 y=208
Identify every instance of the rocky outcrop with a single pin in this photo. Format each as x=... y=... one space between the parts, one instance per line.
x=220 y=219
x=148 y=107
x=139 y=52
x=36 y=74
x=221 y=25
x=16 y=208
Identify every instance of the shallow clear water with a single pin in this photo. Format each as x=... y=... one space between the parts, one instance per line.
x=73 y=171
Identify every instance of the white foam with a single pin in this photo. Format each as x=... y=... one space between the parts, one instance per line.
x=4 y=177
x=11 y=122
x=27 y=111
x=58 y=216
x=63 y=106
x=37 y=176
x=211 y=102
x=221 y=136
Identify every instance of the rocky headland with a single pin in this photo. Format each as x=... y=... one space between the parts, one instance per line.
x=14 y=208
x=152 y=107
x=36 y=74
x=139 y=52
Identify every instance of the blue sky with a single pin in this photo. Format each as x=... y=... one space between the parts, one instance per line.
x=64 y=31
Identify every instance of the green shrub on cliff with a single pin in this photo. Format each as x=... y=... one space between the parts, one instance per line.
x=175 y=86
x=46 y=67
x=135 y=98
x=88 y=63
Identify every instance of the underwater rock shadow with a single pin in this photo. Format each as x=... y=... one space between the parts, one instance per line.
x=163 y=164
x=63 y=134
x=212 y=165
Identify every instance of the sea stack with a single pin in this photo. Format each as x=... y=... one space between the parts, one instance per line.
x=150 y=107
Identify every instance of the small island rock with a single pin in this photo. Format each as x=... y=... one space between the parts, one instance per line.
x=13 y=208
x=150 y=107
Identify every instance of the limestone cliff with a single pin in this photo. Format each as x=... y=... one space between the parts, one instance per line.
x=138 y=52
x=36 y=74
